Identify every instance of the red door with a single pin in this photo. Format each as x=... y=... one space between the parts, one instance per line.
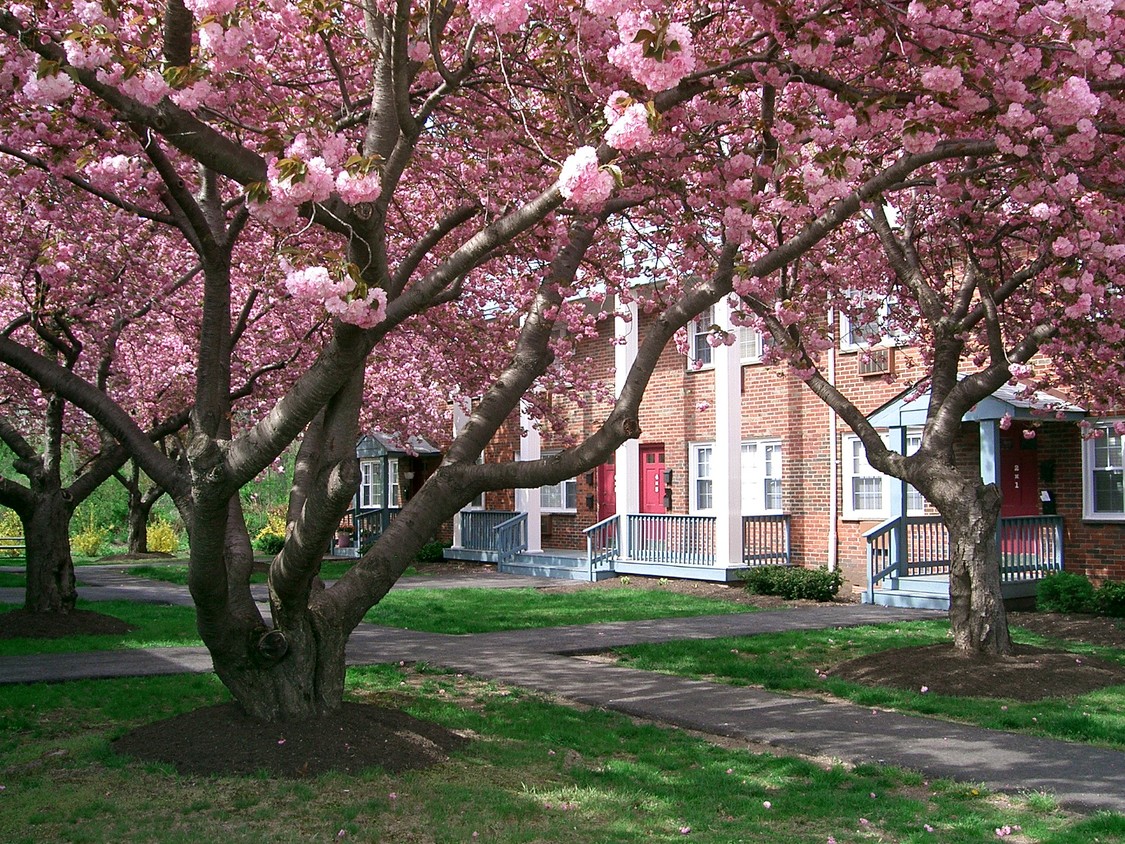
x=607 y=489
x=1019 y=484
x=652 y=478
x=1019 y=474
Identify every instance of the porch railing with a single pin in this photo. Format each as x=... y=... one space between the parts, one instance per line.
x=369 y=527
x=478 y=528
x=603 y=543
x=1030 y=548
x=674 y=540
x=510 y=537
x=765 y=540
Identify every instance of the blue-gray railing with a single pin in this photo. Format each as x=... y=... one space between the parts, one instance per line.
x=1030 y=548
x=478 y=528
x=510 y=537
x=674 y=540
x=603 y=543
x=369 y=526
x=765 y=540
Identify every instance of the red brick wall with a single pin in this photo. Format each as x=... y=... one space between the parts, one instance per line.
x=678 y=410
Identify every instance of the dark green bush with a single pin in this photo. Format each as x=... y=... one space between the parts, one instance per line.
x=1065 y=591
x=431 y=552
x=793 y=582
x=269 y=543
x=1110 y=599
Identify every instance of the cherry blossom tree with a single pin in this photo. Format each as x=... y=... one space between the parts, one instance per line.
x=442 y=180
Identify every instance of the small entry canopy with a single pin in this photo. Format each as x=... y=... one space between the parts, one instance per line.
x=907 y=410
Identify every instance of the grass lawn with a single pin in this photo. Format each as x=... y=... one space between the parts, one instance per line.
x=177 y=573
x=490 y=610
x=536 y=772
x=793 y=662
x=11 y=579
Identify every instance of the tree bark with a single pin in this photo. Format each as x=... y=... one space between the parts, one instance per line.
x=976 y=605
x=50 y=568
x=286 y=675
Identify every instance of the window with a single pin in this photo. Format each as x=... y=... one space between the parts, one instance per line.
x=761 y=477
x=702 y=478
x=751 y=342
x=393 y=485
x=1103 y=458
x=866 y=491
x=855 y=335
x=371 y=485
x=700 y=330
x=562 y=496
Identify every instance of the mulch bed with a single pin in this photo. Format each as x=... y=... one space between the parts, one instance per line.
x=224 y=740
x=45 y=625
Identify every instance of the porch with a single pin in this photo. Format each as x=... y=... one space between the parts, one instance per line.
x=643 y=544
x=908 y=559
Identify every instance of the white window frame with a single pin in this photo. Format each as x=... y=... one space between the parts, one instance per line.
x=848 y=341
x=915 y=504
x=761 y=470
x=371 y=484
x=701 y=478
x=561 y=497
x=1113 y=446
x=698 y=347
x=394 y=485
x=751 y=341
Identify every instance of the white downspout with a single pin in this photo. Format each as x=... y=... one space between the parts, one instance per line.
x=833 y=459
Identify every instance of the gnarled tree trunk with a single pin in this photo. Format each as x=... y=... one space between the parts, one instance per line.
x=50 y=568
x=976 y=605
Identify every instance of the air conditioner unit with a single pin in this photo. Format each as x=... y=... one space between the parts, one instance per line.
x=876 y=361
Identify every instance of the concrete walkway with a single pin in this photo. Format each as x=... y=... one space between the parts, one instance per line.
x=1078 y=776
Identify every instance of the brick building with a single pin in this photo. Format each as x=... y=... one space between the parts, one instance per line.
x=739 y=464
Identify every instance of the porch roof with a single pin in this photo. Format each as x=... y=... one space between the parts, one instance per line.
x=904 y=411
x=378 y=444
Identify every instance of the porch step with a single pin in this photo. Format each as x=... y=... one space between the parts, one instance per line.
x=912 y=600
x=552 y=565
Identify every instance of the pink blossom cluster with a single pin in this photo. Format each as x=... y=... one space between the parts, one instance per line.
x=629 y=130
x=228 y=46
x=354 y=189
x=87 y=54
x=944 y=80
x=1071 y=102
x=502 y=15
x=656 y=74
x=583 y=182
x=216 y=8
x=50 y=89
x=315 y=284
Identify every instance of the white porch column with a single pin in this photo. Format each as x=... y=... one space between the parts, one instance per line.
x=460 y=417
x=727 y=465
x=627 y=472
x=527 y=500
x=898 y=493
x=990 y=451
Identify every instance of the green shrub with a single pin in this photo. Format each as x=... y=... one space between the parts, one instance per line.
x=794 y=582
x=271 y=538
x=163 y=538
x=432 y=552
x=90 y=539
x=1110 y=599
x=1065 y=591
x=10 y=525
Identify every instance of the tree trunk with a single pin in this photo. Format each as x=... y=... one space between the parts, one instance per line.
x=286 y=675
x=976 y=605
x=50 y=568
x=139 y=511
